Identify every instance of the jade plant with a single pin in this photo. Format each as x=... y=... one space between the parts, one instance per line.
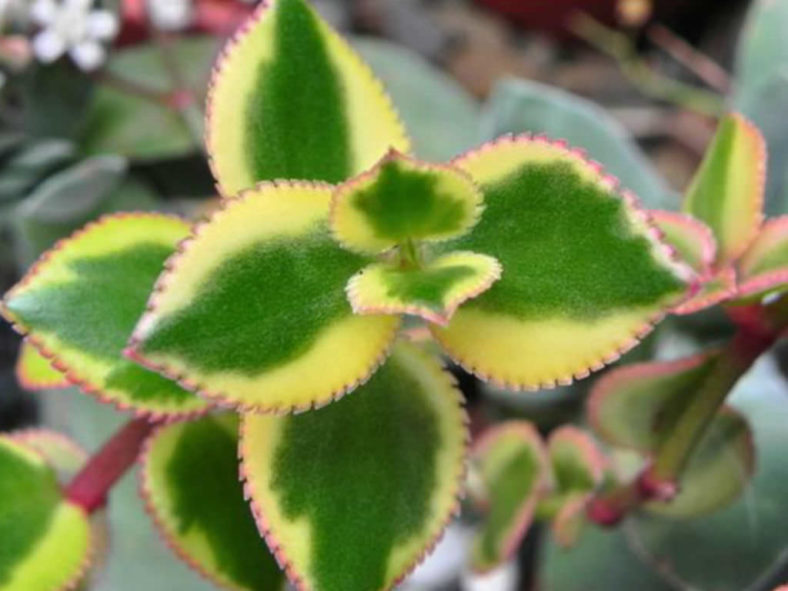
x=288 y=425
x=666 y=441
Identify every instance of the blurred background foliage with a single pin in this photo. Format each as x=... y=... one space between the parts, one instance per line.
x=635 y=83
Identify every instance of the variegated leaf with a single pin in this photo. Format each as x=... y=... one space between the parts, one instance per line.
x=252 y=311
x=693 y=241
x=78 y=305
x=584 y=272
x=727 y=191
x=433 y=292
x=35 y=372
x=190 y=482
x=352 y=496
x=764 y=267
x=512 y=465
x=291 y=100
x=45 y=541
x=401 y=201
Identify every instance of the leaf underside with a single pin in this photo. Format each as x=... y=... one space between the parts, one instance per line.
x=35 y=372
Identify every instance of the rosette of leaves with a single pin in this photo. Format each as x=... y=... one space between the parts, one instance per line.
x=529 y=264
x=517 y=478
x=721 y=232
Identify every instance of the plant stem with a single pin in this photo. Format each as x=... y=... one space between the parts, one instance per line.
x=649 y=82
x=133 y=88
x=732 y=364
x=759 y=327
x=90 y=486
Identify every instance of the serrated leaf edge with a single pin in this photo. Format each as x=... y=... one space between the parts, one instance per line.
x=282 y=559
x=72 y=375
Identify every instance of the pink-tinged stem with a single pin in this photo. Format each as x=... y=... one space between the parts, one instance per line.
x=90 y=486
x=758 y=329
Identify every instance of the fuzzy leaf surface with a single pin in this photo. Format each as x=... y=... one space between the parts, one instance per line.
x=353 y=496
x=584 y=274
x=80 y=302
x=290 y=99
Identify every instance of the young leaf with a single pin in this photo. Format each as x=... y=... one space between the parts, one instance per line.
x=511 y=462
x=46 y=541
x=35 y=372
x=291 y=100
x=584 y=273
x=718 y=470
x=189 y=480
x=576 y=461
x=765 y=264
x=252 y=311
x=433 y=292
x=727 y=191
x=634 y=406
x=578 y=467
x=692 y=240
x=402 y=200
x=353 y=496
x=713 y=289
x=80 y=302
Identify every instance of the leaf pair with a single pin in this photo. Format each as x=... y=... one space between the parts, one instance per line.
x=349 y=497
x=721 y=233
x=519 y=478
x=636 y=407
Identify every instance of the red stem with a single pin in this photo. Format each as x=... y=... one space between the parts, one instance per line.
x=90 y=486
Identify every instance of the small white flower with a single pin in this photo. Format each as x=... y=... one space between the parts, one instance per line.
x=71 y=26
x=170 y=15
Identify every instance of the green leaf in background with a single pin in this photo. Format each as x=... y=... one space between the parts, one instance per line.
x=762 y=51
x=761 y=90
x=603 y=560
x=512 y=466
x=190 y=482
x=31 y=162
x=439 y=114
x=54 y=99
x=119 y=122
x=71 y=198
x=525 y=106
x=743 y=546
